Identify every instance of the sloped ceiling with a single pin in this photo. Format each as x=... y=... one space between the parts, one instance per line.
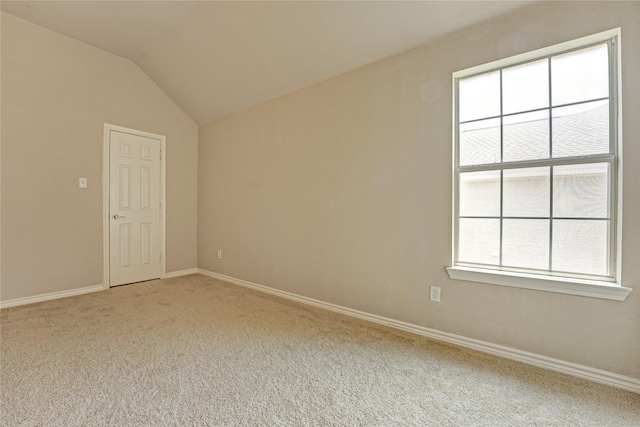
x=215 y=57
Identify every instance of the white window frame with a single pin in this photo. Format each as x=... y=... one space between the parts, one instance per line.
x=565 y=284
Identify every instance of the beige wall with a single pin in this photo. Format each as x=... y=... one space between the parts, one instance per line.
x=57 y=94
x=342 y=192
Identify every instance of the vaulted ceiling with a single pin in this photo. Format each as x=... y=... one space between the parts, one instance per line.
x=215 y=57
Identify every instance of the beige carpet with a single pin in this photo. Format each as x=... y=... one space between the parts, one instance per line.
x=194 y=351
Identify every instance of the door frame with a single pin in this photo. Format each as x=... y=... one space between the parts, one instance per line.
x=106 y=192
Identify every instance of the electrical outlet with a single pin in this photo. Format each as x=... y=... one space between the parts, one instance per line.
x=435 y=293
x=219 y=254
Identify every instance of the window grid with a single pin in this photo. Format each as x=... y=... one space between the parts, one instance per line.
x=609 y=158
x=535 y=110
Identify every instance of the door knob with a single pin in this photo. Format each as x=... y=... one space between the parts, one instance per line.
x=119 y=217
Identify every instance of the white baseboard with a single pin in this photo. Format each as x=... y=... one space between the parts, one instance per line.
x=180 y=273
x=63 y=294
x=52 y=295
x=557 y=365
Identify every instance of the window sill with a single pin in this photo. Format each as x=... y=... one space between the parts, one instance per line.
x=561 y=285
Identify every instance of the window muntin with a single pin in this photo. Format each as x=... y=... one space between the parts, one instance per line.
x=535 y=165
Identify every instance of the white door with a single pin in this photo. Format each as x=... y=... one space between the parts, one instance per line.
x=134 y=208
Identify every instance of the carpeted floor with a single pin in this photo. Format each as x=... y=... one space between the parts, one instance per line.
x=193 y=351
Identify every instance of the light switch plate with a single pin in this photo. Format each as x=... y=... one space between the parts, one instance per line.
x=82 y=182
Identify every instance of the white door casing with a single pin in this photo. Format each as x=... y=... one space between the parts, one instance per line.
x=135 y=214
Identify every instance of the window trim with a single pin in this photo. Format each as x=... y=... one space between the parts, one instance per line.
x=565 y=284
x=540 y=282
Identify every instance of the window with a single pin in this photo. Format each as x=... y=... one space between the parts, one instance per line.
x=536 y=170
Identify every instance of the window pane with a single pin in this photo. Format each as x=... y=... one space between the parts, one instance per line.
x=480 y=193
x=581 y=246
x=525 y=87
x=581 y=75
x=479 y=96
x=526 y=136
x=479 y=241
x=581 y=191
x=526 y=192
x=480 y=142
x=525 y=243
x=581 y=130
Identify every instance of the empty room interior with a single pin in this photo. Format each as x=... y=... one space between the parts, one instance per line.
x=320 y=213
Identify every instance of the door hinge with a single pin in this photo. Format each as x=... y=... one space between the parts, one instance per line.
x=160 y=256
x=160 y=154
